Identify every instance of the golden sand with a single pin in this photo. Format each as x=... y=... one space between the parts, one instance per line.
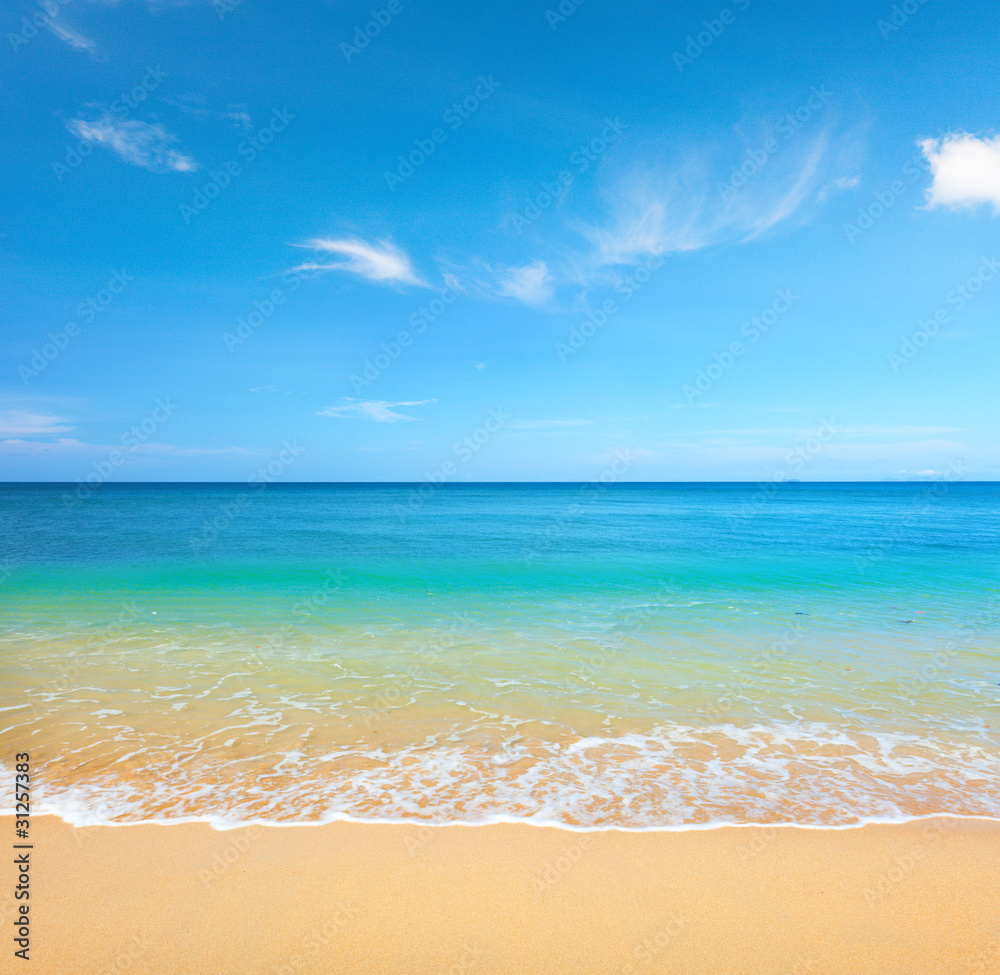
x=923 y=897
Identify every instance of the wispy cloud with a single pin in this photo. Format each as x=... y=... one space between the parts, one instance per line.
x=661 y=210
x=240 y=117
x=965 y=170
x=840 y=185
x=195 y=106
x=770 y=215
x=652 y=209
x=26 y=423
x=379 y=411
x=853 y=430
x=877 y=430
x=71 y=37
x=928 y=474
x=71 y=446
x=382 y=262
x=531 y=284
x=651 y=213
x=140 y=143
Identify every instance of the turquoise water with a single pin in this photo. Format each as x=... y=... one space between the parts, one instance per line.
x=628 y=655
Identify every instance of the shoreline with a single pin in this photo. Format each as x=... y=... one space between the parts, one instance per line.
x=222 y=825
x=913 y=897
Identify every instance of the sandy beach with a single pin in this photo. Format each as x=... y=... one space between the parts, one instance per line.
x=182 y=899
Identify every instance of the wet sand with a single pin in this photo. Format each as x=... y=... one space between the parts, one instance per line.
x=514 y=899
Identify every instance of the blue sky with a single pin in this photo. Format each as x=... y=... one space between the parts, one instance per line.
x=516 y=241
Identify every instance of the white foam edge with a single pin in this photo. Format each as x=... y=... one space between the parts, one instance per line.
x=224 y=824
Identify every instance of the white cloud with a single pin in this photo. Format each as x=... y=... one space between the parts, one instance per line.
x=16 y=445
x=196 y=107
x=69 y=36
x=140 y=143
x=796 y=194
x=189 y=104
x=382 y=262
x=651 y=214
x=965 y=170
x=379 y=411
x=239 y=117
x=531 y=284
x=658 y=210
x=840 y=185
x=25 y=423
x=652 y=210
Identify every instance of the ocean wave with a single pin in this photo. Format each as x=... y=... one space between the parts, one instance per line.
x=673 y=776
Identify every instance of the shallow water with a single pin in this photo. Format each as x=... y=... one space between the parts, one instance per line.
x=623 y=655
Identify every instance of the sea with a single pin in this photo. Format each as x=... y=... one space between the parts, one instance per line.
x=587 y=655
